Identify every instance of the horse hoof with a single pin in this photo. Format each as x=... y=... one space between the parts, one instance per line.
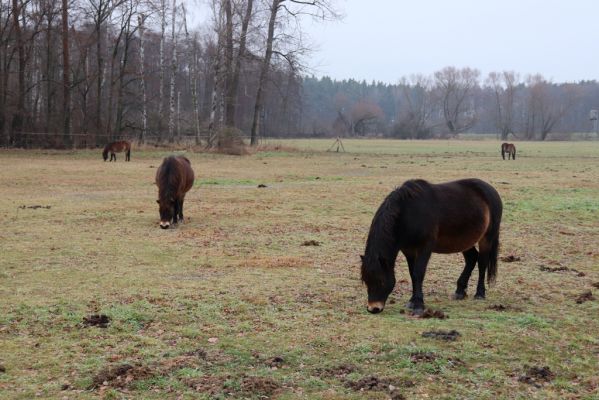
x=459 y=296
x=410 y=305
x=479 y=297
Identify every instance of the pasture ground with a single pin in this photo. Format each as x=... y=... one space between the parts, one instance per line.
x=233 y=305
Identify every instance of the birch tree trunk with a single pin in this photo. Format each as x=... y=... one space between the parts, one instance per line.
x=193 y=71
x=171 y=121
x=144 y=106
x=17 y=120
x=162 y=49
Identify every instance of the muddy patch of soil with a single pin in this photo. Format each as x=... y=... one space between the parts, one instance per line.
x=99 y=320
x=311 y=243
x=510 y=258
x=121 y=376
x=275 y=362
x=561 y=269
x=536 y=376
x=430 y=313
x=374 y=383
x=259 y=385
x=262 y=186
x=595 y=285
x=423 y=357
x=584 y=297
x=501 y=308
x=339 y=372
x=35 y=207
x=210 y=385
x=448 y=336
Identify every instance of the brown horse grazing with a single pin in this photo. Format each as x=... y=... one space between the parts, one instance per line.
x=117 y=147
x=174 y=178
x=508 y=148
x=421 y=218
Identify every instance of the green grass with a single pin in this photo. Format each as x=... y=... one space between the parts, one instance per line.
x=237 y=272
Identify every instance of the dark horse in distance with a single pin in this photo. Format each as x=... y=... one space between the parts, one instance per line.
x=509 y=149
x=174 y=178
x=117 y=147
x=420 y=218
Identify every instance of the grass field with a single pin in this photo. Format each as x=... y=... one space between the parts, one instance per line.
x=233 y=305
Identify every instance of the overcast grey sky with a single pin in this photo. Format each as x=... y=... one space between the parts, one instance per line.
x=386 y=39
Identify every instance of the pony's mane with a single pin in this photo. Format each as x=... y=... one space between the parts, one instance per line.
x=167 y=179
x=381 y=240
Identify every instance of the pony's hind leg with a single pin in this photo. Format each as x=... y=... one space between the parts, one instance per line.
x=410 y=260
x=483 y=263
x=471 y=256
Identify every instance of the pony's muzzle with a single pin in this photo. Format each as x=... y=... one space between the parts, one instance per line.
x=375 y=307
x=165 y=225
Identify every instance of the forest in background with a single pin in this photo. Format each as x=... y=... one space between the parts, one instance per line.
x=85 y=72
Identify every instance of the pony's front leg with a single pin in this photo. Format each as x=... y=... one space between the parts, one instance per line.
x=410 y=259
x=418 y=273
x=176 y=211
x=470 y=256
x=181 y=210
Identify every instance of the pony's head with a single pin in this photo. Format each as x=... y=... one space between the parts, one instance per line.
x=166 y=207
x=105 y=153
x=379 y=277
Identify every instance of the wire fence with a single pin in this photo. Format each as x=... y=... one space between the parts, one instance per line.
x=92 y=140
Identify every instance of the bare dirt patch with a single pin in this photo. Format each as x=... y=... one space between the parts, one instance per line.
x=121 y=376
x=275 y=362
x=448 y=336
x=311 y=243
x=34 y=207
x=430 y=313
x=561 y=269
x=259 y=385
x=210 y=385
x=584 y=297
x=374 y=383
x=423 y=356
x=501 y=308
x=536 y=376
x=98 y=320
x=339 y=372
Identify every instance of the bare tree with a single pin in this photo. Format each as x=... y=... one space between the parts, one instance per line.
x=456 y=87
x=504 y=85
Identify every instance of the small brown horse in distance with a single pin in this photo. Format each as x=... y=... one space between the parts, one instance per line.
x=509 y=149
x=421 y=218
x=117 y=147
x=174 y=178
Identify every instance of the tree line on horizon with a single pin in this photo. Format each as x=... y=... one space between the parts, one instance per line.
x=449 y=102
x=85 y=72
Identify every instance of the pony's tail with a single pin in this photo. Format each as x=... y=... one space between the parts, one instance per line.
x=493 y=239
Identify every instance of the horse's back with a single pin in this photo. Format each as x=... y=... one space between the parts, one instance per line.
x=175 y=171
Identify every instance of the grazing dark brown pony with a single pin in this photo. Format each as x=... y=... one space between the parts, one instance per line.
x=117 y=147
x=508 y=148
x=174 y=178
x=421 y=218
